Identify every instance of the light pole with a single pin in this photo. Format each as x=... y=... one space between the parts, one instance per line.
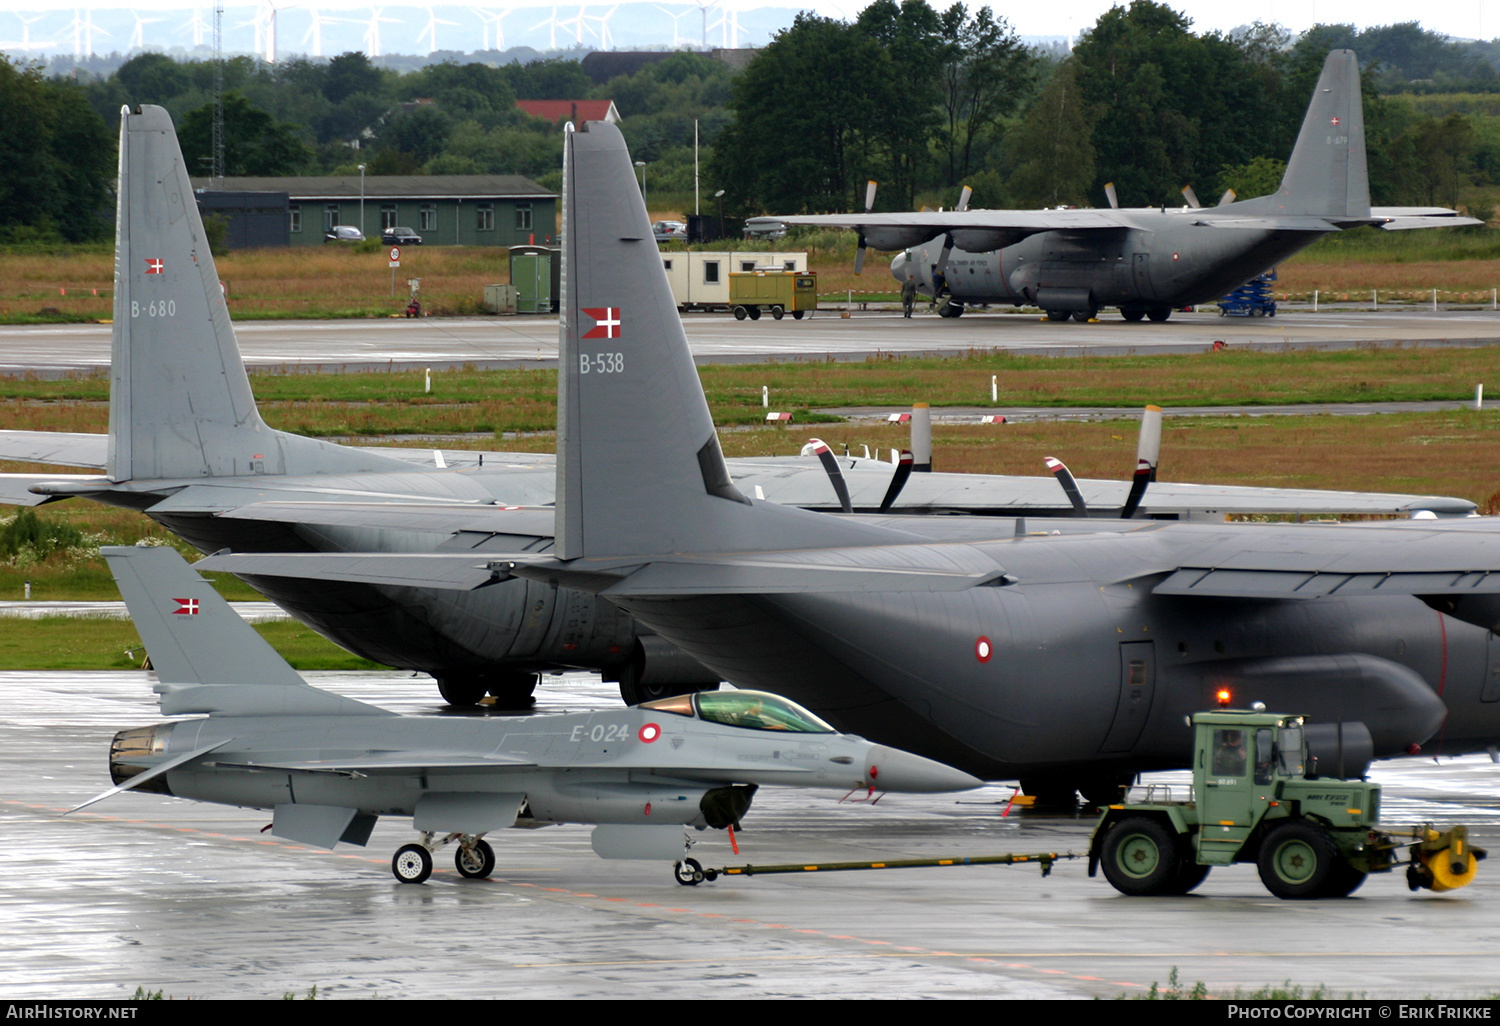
x=361 y=199
x=642 y=165
x=720 y=197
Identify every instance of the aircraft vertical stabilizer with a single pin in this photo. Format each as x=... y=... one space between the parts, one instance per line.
x=1327 y=175
x=629 y=394
x=190 y=632
x=206 y=657
x=180 y=401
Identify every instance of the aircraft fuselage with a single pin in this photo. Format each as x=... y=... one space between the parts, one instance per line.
x=1155 y=261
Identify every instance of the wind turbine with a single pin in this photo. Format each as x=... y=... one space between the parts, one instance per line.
x=26 y=42
x=314 y=33
x=676 y=39
x=495 y=18
x=372 y=31
x=604 y=36
x=578 y=21
x=551 y=24
x=196 y=25
x=433 y=21
x=83 y=31
x=138 y=37
x=703 y=9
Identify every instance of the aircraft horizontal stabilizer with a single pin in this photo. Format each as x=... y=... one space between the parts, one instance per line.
x=59 y=448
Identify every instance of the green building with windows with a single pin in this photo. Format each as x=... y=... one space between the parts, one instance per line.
x=446 y=210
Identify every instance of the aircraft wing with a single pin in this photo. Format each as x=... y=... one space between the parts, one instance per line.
x=1460 y=558
x=529 y=521
x=387 y=762
x=976 y=231
x=907 y=568
x=60 y=448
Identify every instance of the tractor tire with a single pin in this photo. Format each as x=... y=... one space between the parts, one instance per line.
x=1140 y=857
x=1297 y=860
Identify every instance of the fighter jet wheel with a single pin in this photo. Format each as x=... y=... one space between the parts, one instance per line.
x=477 y=862
x=1296 y=861
x=777 y=312
x=1140 y=857
x=412 y=863
x=689 y=872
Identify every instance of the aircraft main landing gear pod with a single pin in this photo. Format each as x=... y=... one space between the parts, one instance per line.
x=475 y=859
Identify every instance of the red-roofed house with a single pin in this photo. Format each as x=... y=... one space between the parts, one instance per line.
x=576 y=111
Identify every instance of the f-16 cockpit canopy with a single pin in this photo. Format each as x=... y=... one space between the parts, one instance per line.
x=756 y=710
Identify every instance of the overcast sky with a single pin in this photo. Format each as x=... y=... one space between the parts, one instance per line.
x=1473 y=19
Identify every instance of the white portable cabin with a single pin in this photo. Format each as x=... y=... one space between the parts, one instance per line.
x=700 y=281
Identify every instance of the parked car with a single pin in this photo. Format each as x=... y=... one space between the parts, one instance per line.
x=669 y=231
x=343 y=233
x=400 y=237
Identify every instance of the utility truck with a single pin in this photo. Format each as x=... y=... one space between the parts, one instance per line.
x=1258 y=797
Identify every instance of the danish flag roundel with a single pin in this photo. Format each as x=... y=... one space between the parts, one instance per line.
x=155 y=265
x=185 y=607
x=607 y=322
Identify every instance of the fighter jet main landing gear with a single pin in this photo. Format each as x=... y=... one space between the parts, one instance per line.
x=474 y=860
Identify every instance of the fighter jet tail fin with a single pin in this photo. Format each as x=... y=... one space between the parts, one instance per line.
x=180 y=400
x=206 y=657
x=639 y=468
x=1327 y=175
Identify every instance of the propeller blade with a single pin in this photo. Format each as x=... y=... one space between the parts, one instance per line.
x=831 y=467
x=870 y=195
x=1109 y=193
x=1191 y=196
x=963 y=199
x=1148 y=452
x=859 y=255
x=1227 y=198
x=1069 y=486
x=898 y=480
x=942 y=260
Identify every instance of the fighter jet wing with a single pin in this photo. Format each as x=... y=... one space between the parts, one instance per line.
x=61 y=448
x=388 y=762
x=977 y=231
x=1398 y=559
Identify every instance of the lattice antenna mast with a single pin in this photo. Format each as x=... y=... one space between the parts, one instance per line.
x=218 y=130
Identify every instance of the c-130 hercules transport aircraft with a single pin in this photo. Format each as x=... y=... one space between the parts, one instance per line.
x=1068 y=658
x=1146 y=261
x=188 y=448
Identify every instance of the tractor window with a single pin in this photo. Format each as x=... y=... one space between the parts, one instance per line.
x=1291 y=751
x=758 y=710
x=1265 y=753
x=1229 y=753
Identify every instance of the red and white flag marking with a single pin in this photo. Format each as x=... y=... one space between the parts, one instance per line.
x=185 y=607
x=155 y=265
x=607 y=321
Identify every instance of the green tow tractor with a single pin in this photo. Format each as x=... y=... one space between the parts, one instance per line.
x=1258 y=797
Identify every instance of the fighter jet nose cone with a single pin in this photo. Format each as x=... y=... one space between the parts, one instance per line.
x=890 y=769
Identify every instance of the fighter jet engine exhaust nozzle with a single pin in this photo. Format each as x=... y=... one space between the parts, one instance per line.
x=138 y=750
